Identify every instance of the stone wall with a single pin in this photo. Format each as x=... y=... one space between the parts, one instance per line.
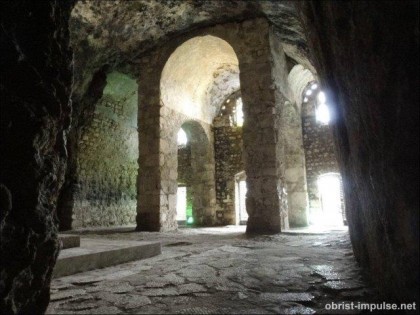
x=228 y=152
x=184 y=164
x=366 y=56
x=319 y=152
x=107 y=158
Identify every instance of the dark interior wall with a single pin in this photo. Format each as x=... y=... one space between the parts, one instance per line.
x=366 y=54
x=107 y=158
x=36 y=77
x=184 y=165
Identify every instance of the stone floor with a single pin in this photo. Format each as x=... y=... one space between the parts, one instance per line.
x=219 y=271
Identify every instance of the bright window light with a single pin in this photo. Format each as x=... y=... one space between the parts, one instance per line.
x=314 y=86
x=329 y=190
x=321 y=97
x=305 y=99
x=239 y=113
x=182 y=137
x=308 y=92
x=243 y=215
x=323 y=114
x=181 y=204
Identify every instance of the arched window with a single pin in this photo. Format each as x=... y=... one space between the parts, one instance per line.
x=239 y=114
x=182 y=138
x=232 y=110
x=322 y=111
x=313 y=93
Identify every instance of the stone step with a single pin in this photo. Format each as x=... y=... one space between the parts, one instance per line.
x=69 y=241
x=101 y=253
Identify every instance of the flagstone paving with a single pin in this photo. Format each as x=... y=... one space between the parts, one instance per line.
x=219 y=271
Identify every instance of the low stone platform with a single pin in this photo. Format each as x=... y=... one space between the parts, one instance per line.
x=69 y=241
x=101 y=253
x=316 y=230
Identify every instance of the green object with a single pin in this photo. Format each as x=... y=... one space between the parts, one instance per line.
x=190 y=220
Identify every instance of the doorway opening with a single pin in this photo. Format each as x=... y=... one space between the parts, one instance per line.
x=240 y=198
x=184 y=215
x=331 y=200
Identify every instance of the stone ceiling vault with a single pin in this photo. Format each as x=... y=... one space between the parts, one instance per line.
x=189 y=74
x=118 y=32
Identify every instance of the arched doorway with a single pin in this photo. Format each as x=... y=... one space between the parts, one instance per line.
x=331 y=199
x=195 y=191
x=191 y=71
x=197 y=75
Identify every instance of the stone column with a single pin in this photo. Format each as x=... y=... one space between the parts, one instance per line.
x=170 y=122
x=295 y=175
x=158 y=125
x=148 y=180
x=203 y=185
x=263 y=76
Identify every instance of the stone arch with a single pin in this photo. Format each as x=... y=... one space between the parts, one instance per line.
x=189 y=75
x=263 y=75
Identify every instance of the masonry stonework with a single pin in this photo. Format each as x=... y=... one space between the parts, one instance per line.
x=260 y=56
x=296 y=187
x=107 y=159
x=228 y=150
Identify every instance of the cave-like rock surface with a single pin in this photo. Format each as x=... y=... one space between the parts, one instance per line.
x=117 y=33
x=36 y=79
x=366 y=54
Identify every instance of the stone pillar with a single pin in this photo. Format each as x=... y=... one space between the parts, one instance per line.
x=295 y=175
x=168 y=163
x=203 y=167
x=148 y=180
x=157 y=186
x=263 y=76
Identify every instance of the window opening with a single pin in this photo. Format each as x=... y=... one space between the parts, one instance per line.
x=182 y=138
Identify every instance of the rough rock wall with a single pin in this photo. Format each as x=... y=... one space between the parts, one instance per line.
x=366 y=54
x=319 y=151
x=107 y=158
x=118 y=32
x=36 y=79
x=82 y=115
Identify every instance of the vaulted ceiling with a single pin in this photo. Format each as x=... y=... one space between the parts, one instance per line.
x=117 y=33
